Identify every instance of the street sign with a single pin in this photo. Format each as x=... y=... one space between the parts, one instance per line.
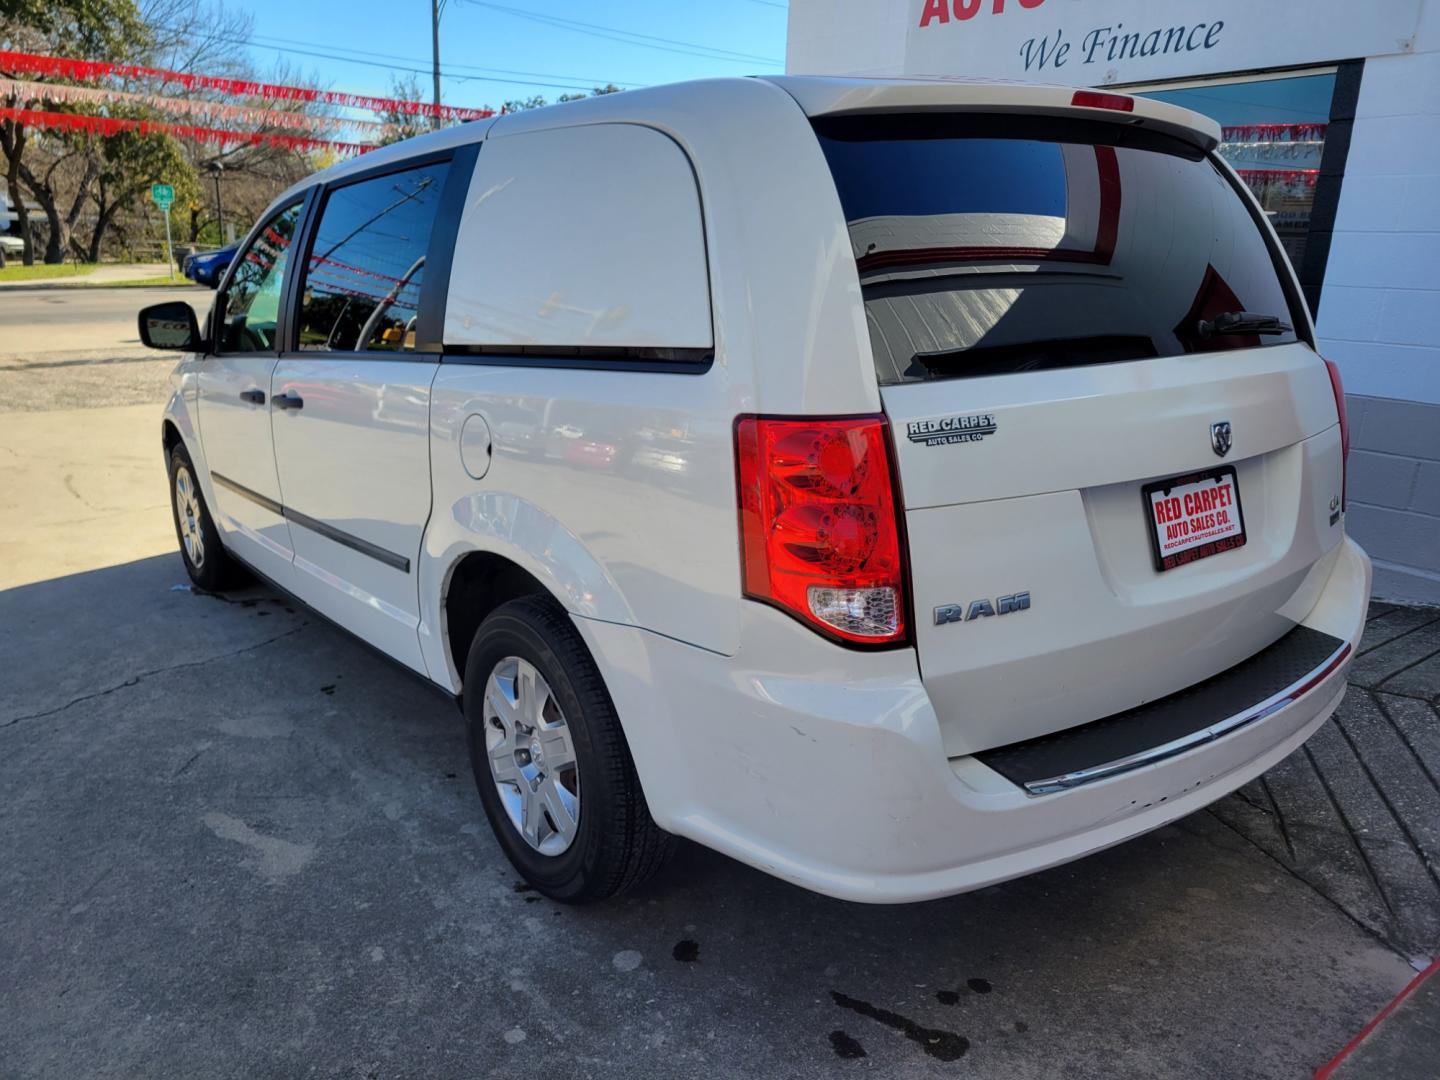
x=164 y=197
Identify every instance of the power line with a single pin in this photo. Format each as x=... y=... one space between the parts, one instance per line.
x=382 y=60
x=629 y=37
x=376 y=59
x=426 y=70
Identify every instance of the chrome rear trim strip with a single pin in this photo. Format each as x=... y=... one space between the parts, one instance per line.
x=1271 y=705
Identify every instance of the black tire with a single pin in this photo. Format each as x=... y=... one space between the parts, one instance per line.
x=616 y=844
x=210 y=566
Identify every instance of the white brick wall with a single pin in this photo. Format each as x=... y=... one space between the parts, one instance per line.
x=1380 y=308
x=1380 y=314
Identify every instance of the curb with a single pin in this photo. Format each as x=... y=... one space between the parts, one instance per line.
x=1327 y=1070
x=55 y=286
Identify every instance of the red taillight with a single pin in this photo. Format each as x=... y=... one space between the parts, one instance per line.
x=1093 y=99
x=1337 y=385
x=818 y=528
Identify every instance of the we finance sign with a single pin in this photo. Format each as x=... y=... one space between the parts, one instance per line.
x=1094 y=42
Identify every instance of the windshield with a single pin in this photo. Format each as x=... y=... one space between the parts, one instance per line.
x=989 y=245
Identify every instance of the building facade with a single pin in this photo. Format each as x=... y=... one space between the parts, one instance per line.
x=1330 y=110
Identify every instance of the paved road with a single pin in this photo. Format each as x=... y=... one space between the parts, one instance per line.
x=233 y=844
x=35 y=322
x=79 y=348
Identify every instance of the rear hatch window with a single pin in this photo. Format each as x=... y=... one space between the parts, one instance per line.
x=990 y=245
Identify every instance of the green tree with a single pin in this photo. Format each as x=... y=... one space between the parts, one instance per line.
x=521 y=104
x=108 y=30
x=89 y=29
x=538 y=102
x=130 y=163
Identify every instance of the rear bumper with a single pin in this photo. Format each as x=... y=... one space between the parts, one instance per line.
x=838 y=780
x=1273 y=679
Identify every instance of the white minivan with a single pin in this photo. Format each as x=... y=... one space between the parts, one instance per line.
x=899 y=486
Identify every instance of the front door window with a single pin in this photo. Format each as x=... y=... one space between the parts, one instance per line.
x=250 y=311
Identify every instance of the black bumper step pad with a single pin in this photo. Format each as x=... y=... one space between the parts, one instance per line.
x=1278 y=667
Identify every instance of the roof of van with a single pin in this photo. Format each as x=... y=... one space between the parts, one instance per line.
x=817 y=95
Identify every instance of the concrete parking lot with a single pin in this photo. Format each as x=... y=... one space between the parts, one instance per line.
x=235 y=843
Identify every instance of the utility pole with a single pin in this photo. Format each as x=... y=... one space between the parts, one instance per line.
x=435 y=6
x=216 y=168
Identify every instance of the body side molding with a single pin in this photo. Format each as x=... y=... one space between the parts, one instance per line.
x=305 y=521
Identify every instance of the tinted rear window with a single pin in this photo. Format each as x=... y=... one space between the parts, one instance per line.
x=995 y=245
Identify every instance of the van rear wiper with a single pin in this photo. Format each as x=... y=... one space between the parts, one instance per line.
x=1242 y=322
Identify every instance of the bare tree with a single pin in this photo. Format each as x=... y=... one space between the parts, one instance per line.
x=199 y=37
x=252 y=174
x=405 y=124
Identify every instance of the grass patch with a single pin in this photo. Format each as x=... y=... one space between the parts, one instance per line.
x=41 y=272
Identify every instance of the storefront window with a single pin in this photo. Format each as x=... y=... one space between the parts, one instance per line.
x=1273 y=132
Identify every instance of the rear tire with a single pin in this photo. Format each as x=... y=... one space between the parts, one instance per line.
x=206 y=561
x=538 y=717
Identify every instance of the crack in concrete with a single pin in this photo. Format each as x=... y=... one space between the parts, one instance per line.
x=1279 y=819
x=69 y=482
x=1432 y=702
x=135 y=680
x=1239 y=793
x=1399 y=731
x=1400 y=821
x=1398 y=637
x=193 y=758
x=1401 y=671
x=1354 y=836
x=1290 y=871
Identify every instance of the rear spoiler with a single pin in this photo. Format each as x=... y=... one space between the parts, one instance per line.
x=827 y=96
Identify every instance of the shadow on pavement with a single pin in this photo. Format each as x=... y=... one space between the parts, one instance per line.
x=234 y=843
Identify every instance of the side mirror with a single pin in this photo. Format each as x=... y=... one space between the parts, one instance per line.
x=171 y=326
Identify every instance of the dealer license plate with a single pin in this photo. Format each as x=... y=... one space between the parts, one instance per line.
x=1193 y=517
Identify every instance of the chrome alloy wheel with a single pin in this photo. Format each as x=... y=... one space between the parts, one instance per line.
x=187 y=511
x=532 y=757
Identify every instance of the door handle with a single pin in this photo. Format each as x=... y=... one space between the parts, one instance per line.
x=288 y=401
x=254 y=397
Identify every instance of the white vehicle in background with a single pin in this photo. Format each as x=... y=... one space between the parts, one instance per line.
x=11 y=246
x=900 y=486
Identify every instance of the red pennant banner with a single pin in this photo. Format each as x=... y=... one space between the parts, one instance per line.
x=1272 y=177
x=25 y=93
x=61 y=67
x=113 y=125
x=316 y=260
x=1266 y=132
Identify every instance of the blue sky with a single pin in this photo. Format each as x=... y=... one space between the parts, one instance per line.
x=541 y=57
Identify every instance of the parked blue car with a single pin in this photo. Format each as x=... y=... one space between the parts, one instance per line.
x=206 y=268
